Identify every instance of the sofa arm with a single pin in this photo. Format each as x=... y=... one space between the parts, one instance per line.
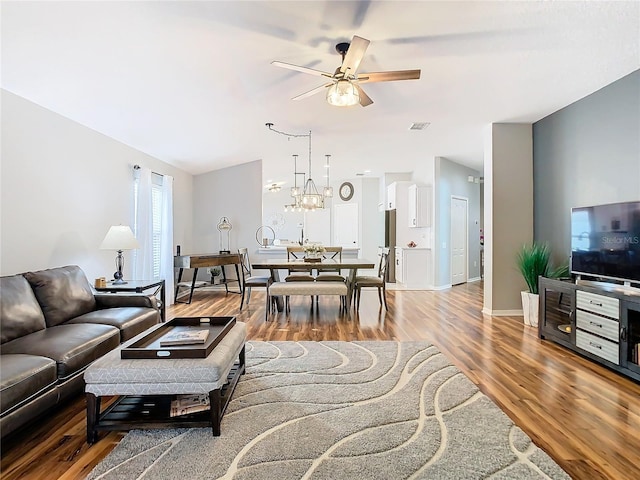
x=113 y=300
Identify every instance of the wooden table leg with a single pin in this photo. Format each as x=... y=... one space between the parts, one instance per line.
x=175 y=297
x=93 y=414
x=215 y=407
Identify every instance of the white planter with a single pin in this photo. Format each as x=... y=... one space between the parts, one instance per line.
x=530 y=308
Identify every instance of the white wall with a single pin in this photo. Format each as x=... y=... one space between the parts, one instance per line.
x=285 y=224
x=63 y=185
x=235 y=193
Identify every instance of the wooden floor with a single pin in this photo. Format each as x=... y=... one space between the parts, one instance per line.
x=585 y=416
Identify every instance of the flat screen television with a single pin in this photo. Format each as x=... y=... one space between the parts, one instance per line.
x=605 y=241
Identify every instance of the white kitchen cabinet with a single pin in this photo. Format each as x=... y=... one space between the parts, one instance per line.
x=419 y=206
x=392 y=191
x=397 y=195
x=412 y=267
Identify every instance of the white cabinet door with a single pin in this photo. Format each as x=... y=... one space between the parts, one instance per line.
x=412 y=267
x=345 y=225
x=391 y=197
x=398 y=266
x=419 y=207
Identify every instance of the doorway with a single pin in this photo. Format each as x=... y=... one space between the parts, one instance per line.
x=459 y=239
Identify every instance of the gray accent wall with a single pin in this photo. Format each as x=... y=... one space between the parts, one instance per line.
x=585 y=154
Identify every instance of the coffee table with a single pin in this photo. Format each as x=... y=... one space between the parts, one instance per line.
x=145 y=387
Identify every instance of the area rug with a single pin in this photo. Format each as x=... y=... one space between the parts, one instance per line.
x=342 y=410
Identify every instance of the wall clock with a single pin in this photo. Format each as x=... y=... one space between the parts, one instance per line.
x=346 y=191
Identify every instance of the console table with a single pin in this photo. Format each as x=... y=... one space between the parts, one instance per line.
x=197 y=261
x=597 y=320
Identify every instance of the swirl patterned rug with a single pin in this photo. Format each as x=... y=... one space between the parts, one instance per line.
x=342 y=410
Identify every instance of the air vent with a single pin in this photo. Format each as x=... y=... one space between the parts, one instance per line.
x=419 y=125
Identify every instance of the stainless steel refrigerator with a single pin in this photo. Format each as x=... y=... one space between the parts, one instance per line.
x=390 y=242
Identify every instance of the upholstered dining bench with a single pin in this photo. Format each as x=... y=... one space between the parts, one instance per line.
x=313 y=289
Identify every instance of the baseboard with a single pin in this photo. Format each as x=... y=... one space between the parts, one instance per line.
x=474 y=279
x=502 y=313
x=442 y=287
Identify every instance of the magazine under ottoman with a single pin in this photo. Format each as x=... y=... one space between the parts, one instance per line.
x=146 y=387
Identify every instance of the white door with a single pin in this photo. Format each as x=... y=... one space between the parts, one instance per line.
x=345 y=225
x=317 y=226
x=458 y=240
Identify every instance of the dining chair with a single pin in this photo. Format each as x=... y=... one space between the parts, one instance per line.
x=371 y=281
x=331 y=274
x=249 y=280
x=297 y=274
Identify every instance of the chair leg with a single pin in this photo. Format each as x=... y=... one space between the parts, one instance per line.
x=384 y=296
x=267 y=307
x=358 y=294
x=380 y=295
x=242 y=299
x=248 y=294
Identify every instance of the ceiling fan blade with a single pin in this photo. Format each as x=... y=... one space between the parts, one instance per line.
x=354 y=55
x=389 y=76
x=312 y=92
x=364 y=98
x=298 y=68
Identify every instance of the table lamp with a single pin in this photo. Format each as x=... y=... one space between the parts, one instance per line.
x=224 y=227
x=119 y=237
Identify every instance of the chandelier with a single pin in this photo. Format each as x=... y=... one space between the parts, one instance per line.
x=308 y=198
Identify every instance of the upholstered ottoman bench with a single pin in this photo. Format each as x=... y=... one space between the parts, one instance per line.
x=310 y=288
x=145 y=387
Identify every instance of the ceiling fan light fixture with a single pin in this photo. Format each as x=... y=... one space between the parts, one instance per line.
x=343 y=94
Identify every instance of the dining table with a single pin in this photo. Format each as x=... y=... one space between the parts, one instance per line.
x=350 y=264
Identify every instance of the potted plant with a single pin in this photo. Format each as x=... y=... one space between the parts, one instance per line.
x=534 y=261
x=215 y=273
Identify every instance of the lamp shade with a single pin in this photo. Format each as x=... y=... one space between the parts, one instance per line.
x=119 y=237
x=343 y=94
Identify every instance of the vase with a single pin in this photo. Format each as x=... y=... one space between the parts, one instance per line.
x=530 y=304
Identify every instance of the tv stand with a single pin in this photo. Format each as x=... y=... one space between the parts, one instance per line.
x=598 y=320
x=625 y=288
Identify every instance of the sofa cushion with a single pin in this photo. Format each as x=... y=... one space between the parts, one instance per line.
x=129 y=320
x=63 y=293
x=24 y=376
x=73 y=347
x=20 y=313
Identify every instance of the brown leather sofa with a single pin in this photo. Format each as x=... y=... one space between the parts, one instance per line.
x=52 y=326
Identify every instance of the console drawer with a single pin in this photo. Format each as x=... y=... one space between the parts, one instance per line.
x=599 y=304
x=602 y=326
x=598 y=346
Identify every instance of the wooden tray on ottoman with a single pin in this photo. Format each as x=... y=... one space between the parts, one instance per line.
x=149 y=345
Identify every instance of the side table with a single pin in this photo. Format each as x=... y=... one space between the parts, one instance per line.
x=139 y=286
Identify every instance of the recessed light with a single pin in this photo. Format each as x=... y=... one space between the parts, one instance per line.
x=419 y=125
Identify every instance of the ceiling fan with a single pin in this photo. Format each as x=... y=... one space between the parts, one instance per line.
x=344 y=88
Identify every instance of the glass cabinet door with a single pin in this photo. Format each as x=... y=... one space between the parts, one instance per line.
x=557 y=311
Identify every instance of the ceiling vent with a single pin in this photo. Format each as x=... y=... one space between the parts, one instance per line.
x=419 y=125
